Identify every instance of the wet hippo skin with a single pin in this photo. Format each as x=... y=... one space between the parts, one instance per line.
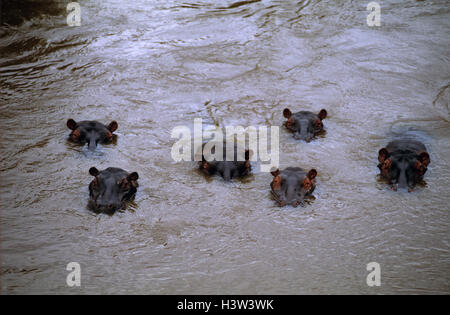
x=111 y=189
x=227 y=169
x=403 y=163
x=91 y=132
x=292 y=185
x=304 y=125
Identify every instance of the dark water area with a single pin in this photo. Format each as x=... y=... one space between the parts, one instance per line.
x=15 y=12
x=155 y=65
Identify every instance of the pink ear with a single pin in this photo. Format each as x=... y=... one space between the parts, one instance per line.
x=133 y=176
x=322 y=114
x=93 y=171
x=287 y=113
x=312 y=174
x=383 y=154
x=71 y=124
x=113 y=126
x=275 y=173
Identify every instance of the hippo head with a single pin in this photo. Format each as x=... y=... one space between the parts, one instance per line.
x=227 y=169
x=291 y=185
x=403 y=169
x=111 y=188
x=91 y=132
x=305 y=125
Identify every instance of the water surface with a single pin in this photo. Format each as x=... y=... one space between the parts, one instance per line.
x=154 y=65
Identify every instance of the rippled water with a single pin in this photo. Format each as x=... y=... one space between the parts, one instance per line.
x=154 y=65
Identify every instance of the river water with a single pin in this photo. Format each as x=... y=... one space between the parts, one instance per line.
x=155 y=65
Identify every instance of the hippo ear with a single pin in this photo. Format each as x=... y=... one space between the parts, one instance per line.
x=133 y=176
x=113 y=125
x=312 y=174
x=383 y=154
x=93 y=171
x=277 y=181
x=71 y=124
x=275 y=172
x=287 y=113
x=322 y=114
x=424 y=158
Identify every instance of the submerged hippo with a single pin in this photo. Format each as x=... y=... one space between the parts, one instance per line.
x=111 y=189
x=292 y=185
x=305 y=125
x=91 y=132
x=403 y=163
x=228 y=169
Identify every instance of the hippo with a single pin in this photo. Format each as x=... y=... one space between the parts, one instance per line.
x=304 y=124
x=227 y=169
x=111 y=189
x=91 y=132
x=292 y=185
x=403 y=162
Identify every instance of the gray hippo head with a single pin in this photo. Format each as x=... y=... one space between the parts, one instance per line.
x=91 y=132
x=227 y=168
x=292 y=185
x=111 y=189
x=304 y=125
x=403 y=163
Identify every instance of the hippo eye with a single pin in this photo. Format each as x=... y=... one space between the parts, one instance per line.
x=317 y=124
x=291 y=122
x=76 y=135
x=419 y=168
x=108 y=136
x=124 y=184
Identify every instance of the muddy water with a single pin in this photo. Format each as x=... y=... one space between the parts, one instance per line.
x=154 y=65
